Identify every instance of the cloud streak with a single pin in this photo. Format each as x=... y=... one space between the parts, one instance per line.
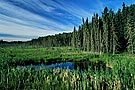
x=27 y=19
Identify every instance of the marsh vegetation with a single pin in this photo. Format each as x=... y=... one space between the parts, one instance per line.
x=91 y=70
x=100 y=53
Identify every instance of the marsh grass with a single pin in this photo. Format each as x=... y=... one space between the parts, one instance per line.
x=119 y=73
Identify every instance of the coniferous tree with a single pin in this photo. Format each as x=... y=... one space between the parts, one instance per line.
x=93 y=40
x=87 y=35
x=74 y=40
x=100 y=35
x=80 y=37
x=105 y=28
x=131 y=29
x=110 y=33
x=84 y=36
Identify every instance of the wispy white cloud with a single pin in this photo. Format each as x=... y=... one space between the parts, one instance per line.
x=46 y=17
x=17 y=21
x=71 y=8
x=29 y=18
x=75 y=9
x=16 y=29
x=14 y=39
x=33 y=18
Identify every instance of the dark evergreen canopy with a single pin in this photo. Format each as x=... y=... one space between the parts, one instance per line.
x=109 y=33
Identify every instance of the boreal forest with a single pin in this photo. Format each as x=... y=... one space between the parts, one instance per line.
x=96 y=55
x=111 y=32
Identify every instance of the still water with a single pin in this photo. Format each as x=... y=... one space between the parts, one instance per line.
x=82 y=65
x=63 y=65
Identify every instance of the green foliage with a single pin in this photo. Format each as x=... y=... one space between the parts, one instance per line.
x=111 y=33
x=22 y=56
x=119 y=72
x=56 y=40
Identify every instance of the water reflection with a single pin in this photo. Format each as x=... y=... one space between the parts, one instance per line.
x=63 y=65
x=81 y=65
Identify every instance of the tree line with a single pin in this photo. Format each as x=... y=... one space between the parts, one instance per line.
x=109 y=33
x=56 y=40
x=112 y=32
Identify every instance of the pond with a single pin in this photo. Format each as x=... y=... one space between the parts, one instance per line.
x=62 y=65
x=81 y=65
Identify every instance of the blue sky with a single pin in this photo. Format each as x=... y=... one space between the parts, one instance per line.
x=27 y=19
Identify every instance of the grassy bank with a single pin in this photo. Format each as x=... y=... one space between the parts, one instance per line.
x=121 y=76
x=25 y=56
